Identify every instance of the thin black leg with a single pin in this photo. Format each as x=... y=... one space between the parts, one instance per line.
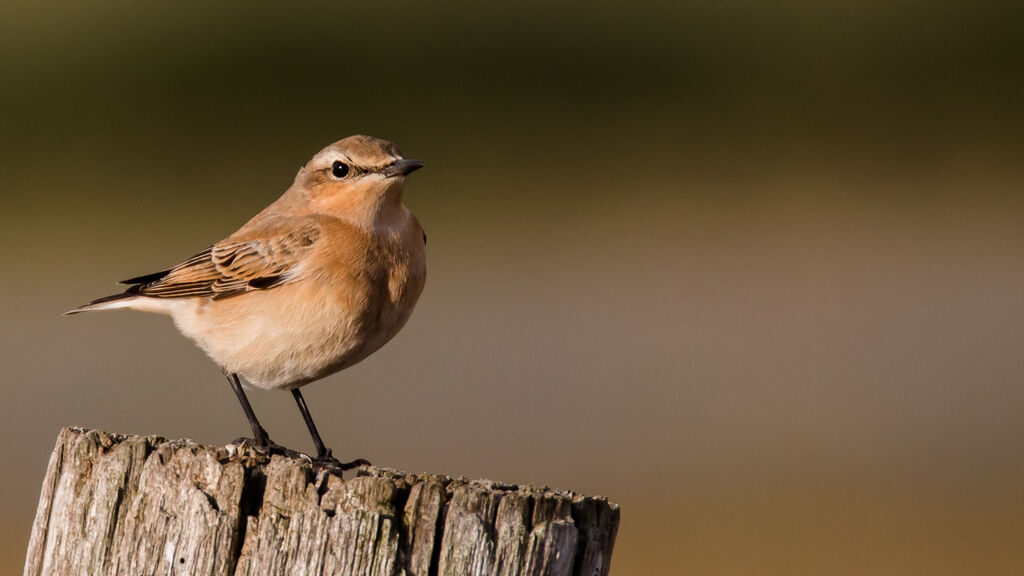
x=258 y=432
x=260 y=437
x=323 y=454
x=321 y=451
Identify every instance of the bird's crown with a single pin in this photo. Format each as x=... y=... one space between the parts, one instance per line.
x=360 y=153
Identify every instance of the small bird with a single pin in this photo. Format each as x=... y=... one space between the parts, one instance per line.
x=314 y=283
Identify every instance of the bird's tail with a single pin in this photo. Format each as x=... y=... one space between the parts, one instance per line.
x=127 y=299
x=123 y=300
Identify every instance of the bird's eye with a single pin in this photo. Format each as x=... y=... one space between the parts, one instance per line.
x=339 y=169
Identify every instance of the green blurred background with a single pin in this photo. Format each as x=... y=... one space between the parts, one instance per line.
x=752 y=270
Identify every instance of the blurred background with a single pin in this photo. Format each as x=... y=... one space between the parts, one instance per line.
x=752 y=270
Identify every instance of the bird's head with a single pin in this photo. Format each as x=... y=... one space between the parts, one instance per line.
x=359 y=177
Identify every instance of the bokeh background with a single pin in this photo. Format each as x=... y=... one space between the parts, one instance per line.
x=752 y=270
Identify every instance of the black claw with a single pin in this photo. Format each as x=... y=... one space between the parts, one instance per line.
x=335 y=464
x=267 y=445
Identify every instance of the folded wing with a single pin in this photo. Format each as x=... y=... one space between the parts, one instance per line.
x=234 y=267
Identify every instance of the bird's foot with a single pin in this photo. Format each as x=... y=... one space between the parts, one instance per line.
x=265 y=444
x=327 y=460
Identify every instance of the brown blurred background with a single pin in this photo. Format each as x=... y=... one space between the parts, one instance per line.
x=754 y=272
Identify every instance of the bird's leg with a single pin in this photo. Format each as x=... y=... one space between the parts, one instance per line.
x=259 y=434
x=323 y=454
x=260 y=437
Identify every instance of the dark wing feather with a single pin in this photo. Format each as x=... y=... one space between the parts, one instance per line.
x=146 y=279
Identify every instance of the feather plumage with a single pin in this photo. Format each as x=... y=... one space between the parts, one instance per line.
x=229 y=268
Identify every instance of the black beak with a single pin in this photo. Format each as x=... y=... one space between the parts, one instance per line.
x=402 y=168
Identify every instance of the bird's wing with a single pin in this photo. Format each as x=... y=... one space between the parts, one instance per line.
x=236 y=265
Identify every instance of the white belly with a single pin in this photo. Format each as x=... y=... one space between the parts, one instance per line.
x=291 y=335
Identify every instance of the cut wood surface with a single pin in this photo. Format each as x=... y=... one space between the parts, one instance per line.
x=141 y=505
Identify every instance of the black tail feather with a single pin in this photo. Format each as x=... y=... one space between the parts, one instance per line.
x=129 y=293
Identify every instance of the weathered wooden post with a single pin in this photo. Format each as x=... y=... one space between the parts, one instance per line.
x=136 y=506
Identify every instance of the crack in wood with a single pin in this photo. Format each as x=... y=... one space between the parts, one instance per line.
x=117 y=504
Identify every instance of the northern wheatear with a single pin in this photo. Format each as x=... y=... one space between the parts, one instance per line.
x=317 y=281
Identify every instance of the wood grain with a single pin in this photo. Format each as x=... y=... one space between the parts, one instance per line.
x=144 y=505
